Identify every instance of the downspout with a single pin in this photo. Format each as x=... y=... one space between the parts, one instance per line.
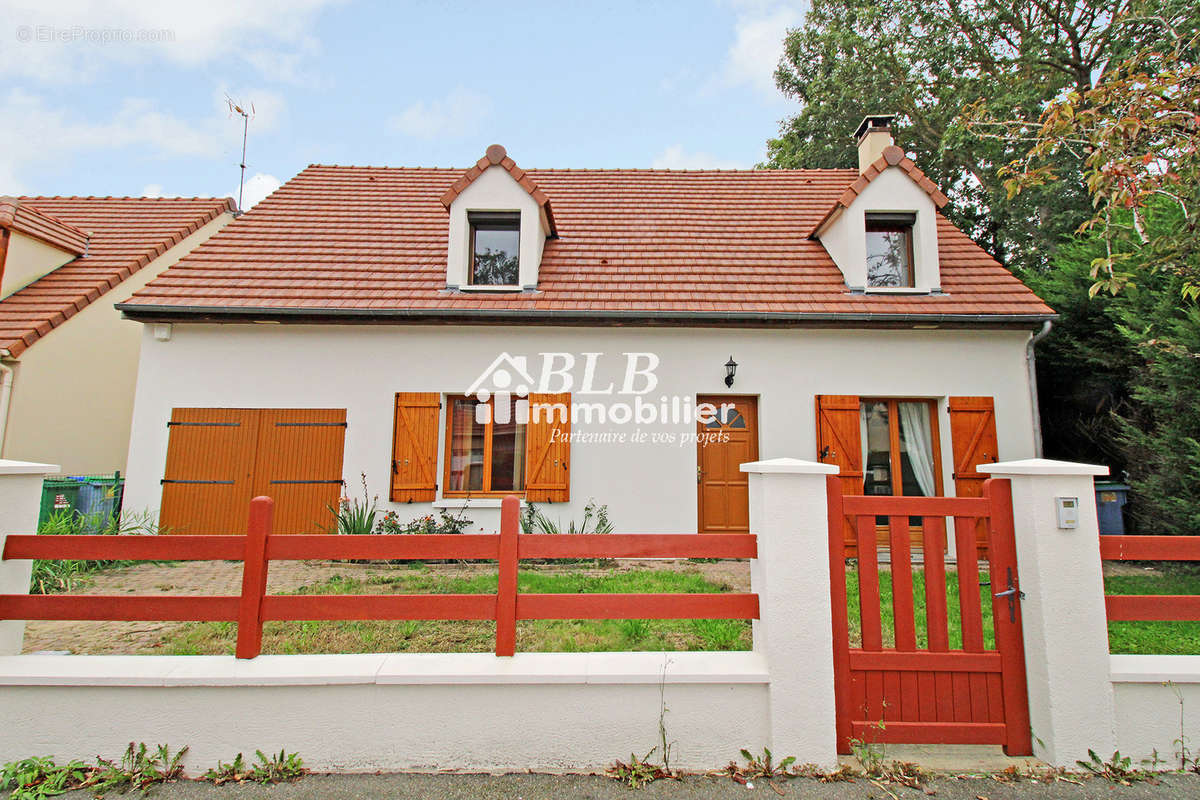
x=1031 y=364
x=6 y=382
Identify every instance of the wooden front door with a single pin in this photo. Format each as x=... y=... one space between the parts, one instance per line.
x=722 y=446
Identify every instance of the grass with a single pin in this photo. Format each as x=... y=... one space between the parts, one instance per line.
x=1154 y=637
x=886 y=614
x=431 y=636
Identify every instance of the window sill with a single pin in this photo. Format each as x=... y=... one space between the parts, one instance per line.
x=491 y=289
x=471 y=502
x=896 y=290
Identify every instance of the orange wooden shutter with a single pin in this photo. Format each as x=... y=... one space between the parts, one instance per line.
x=839 y=441
x=299 y=466
x=548 y=457
x=973 y=440
x=208 y=479
x=414 y=447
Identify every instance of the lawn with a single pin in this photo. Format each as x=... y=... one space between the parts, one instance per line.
x=1171 y=638
x=422 y=636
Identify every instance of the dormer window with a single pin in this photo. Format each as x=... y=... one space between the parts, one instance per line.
x=890 y=250
x=495 y=248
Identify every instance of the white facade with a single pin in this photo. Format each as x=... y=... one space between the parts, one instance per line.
x=650 y=486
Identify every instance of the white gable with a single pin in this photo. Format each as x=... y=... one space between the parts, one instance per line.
x=495 y=190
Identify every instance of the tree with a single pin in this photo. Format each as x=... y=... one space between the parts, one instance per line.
x=929 y=61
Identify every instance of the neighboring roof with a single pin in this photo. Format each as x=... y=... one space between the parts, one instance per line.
x=369 y=243
x=497 y=156
x=126 y=234
x=21 y=217
x=892 y=156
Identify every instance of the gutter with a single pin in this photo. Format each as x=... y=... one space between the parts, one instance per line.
x=1031 y=365
x=143 y=313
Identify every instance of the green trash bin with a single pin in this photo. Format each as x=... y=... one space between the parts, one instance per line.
x=58 y=494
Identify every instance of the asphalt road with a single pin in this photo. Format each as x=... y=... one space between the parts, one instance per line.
x=592 y=787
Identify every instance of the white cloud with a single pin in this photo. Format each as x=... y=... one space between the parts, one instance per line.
x=758 y=42
x=256 y=189
x=675 y=157
x=72 y=39
x=35 y=135
x=457 y=114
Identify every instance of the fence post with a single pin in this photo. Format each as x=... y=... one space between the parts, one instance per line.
x=254 y=578
x=789 y=515
x=506 y=594
x=1063 y=616
x=20 y=499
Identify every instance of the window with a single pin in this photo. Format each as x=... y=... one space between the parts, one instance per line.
x=495 y=248
x=900 y=447
x=483 y=458
x=890 y=250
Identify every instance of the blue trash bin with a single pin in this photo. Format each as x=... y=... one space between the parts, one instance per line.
x=1110 y=507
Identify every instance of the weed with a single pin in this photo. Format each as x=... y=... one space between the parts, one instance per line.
x=763 y=767
x=871 y=754
x=39 y=777
x=595 y=520
x=277 y=768
x=719 y=634
x=634 y=629
x=138 y=769
x=66 y=575
x=1118 y=769
x=637 y=772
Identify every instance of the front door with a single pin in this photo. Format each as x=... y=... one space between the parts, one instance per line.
x=722 y=446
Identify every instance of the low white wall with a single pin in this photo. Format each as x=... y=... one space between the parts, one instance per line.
x=1157 y=701
x=540 y=711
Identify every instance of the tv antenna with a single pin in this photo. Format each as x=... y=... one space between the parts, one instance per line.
x=236 y=108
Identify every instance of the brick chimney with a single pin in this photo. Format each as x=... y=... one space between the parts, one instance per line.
x=873 y=135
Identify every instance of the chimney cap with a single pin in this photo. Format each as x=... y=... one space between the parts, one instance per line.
x=873 y=122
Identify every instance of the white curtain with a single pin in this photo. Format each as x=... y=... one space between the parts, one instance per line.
x=862 y=438
x=918 y=439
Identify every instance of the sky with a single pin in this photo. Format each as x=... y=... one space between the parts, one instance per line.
x=130 y=98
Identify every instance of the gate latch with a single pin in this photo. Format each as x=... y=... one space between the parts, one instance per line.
x=1013 y=594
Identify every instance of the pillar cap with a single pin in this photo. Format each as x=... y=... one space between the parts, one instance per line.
x=789 y=466
x=1041 y=466
x=9 y=467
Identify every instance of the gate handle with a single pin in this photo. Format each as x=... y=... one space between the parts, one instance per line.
x=1013 y=594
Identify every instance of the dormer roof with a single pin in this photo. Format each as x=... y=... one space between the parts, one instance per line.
x=892 y=156
x=497 y=156
x=21 y=217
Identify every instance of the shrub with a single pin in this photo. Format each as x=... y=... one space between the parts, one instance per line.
x=446 y=523
x=595 y=520
x=65 y=575
x=353 y=517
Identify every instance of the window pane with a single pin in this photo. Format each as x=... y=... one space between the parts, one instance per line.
x=888 y=256
x=466 y=447
x=497 y=246
x=877 y=460
x=916 y=450
x=508 y=454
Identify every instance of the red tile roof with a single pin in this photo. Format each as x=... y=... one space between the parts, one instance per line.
x=497 y=156
x=126 y=234
x=645 y=244
x=24 y=218
x=892 y=156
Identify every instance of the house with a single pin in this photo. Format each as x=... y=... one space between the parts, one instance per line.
x=68 y=361
x=628 y=336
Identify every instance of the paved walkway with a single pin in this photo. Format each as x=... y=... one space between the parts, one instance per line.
x=594 y=787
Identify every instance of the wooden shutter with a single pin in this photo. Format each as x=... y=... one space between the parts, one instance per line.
x=839 y=441
x=208 y=479
x=414 y=447
x=548 y=457
x=973 y=440
x=299 y=466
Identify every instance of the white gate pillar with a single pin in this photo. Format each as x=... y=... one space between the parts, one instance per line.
x=795 y=628
x=1063 y=615
x=20 y=499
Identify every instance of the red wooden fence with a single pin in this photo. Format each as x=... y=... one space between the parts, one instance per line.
x=1151 y=548
x=258 y=548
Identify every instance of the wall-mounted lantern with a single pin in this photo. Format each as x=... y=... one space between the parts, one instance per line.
x=730 y=371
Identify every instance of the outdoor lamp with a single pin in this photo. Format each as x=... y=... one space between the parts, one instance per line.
x=730 y=371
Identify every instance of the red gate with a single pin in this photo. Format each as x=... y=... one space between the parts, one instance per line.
x=937 y=682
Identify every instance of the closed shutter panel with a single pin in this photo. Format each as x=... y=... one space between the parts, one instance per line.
x=839 y=441
x=973 y=440
x=414 y=447
x=547 y=455
x=299 y=465
x=208 y=480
